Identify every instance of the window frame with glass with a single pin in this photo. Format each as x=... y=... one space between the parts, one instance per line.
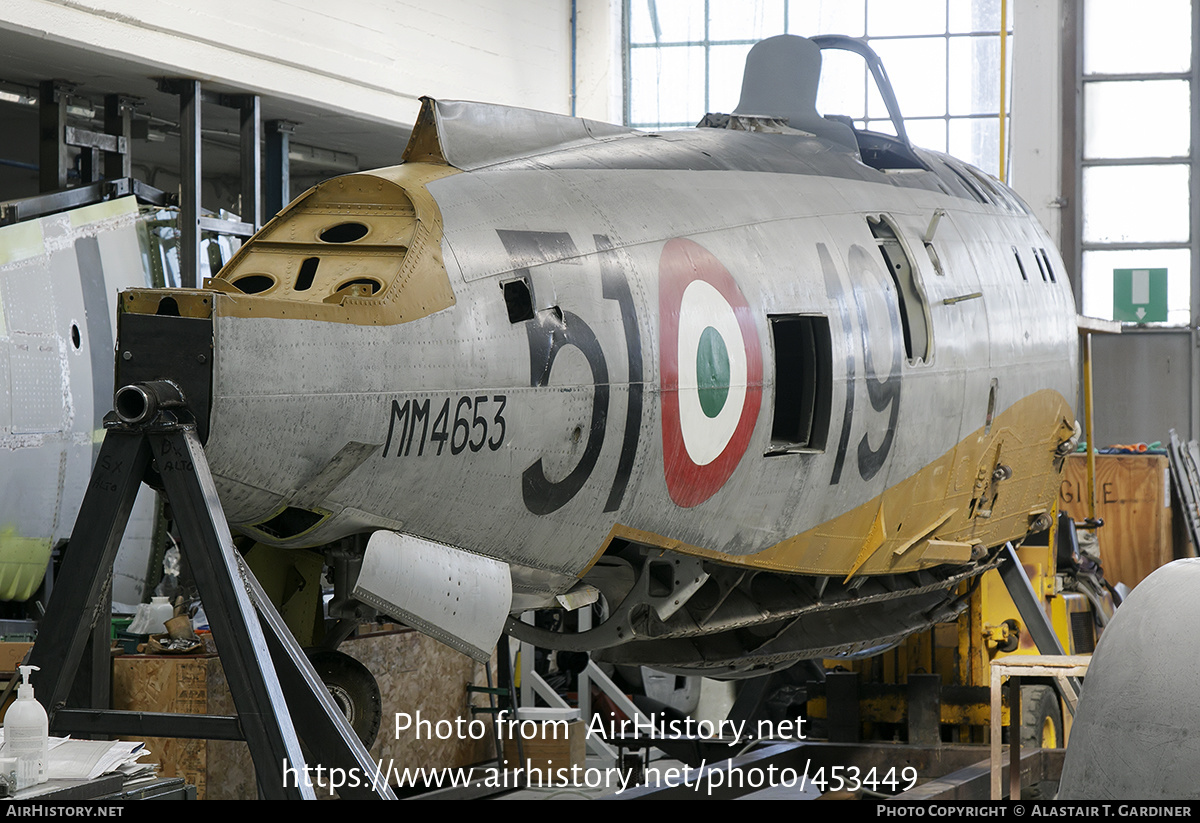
x=1134 y=160
x=684 y=59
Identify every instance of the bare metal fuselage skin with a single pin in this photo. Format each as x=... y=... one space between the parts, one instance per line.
x=582 y=351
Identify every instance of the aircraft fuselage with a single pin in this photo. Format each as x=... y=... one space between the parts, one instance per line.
x=744 y=349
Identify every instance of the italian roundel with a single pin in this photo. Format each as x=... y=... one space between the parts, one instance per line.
x=710 y=364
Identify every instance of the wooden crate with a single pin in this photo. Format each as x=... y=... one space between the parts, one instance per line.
x=556 y=746
x=417 y=676
x=219 y=769
x=1133 y=498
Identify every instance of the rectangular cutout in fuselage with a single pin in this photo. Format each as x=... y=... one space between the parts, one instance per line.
x=803 y=383
x=518 y=300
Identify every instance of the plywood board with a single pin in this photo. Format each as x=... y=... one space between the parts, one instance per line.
x=1133 y=499
x=219 y=769
x=417 y=674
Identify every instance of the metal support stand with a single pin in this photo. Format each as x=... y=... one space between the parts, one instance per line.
x=191 y=222
x=842 y=714
x=101 y=154
x=533 y=683
x=508 y=700
x=52 y=147
x=924 y=709
x=279 y=179
x=583 y=685
x=250 y=120
x=1036 y=622
x=118 y=122
x=190 y=180
x=269 y=676
x=1059 y=668
x=492 y=708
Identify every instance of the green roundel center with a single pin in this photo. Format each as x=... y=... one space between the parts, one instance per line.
x=712 y=372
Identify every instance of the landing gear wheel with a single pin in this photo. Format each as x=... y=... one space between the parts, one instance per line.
x=353 y=689
x=1041 y=718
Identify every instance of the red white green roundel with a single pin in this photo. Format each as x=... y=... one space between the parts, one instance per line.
x=710 y=363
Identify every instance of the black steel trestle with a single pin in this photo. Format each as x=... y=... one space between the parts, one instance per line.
x=270 y=677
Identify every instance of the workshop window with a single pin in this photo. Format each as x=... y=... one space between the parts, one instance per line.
x=1136 y=162
x=686 y=59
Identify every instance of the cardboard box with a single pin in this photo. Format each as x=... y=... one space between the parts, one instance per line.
x=11 y=655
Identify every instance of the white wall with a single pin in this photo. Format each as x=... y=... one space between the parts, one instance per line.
x=1036 y=171
x=599 y=61
x=371 y=58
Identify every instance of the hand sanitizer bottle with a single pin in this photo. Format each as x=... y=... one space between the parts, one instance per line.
x=26 y=727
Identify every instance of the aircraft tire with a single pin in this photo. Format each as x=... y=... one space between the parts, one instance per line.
x=353 y=689
x=1041 y=718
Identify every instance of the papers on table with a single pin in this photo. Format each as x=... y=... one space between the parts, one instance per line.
x=88 y=759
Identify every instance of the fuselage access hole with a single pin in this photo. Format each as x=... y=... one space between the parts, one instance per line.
x=344 y=233
x=518 y=300
x=308 y=270
x=254 y=283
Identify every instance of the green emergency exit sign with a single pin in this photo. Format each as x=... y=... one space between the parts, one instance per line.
x=1140 y=295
